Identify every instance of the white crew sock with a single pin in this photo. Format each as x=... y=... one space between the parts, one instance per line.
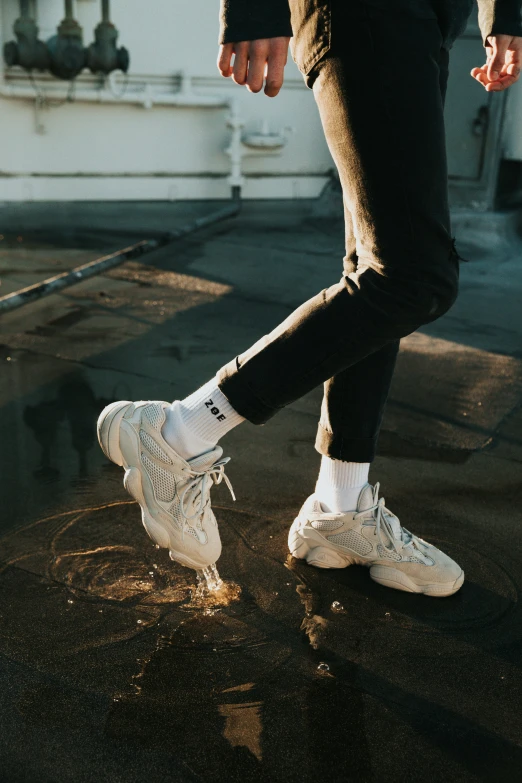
x=195 y=425
x=340 y=483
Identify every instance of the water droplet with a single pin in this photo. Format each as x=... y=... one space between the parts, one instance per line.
x=139 y=622
x=157 y=546
x=154 y=565
x=337 y=607
x=323 y=667
x=70 y=601
x=387 y=614
x=151 y=573
x=214 y=649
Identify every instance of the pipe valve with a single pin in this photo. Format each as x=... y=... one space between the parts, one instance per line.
x=103 y=56
x=66 y=50
x=27 y=51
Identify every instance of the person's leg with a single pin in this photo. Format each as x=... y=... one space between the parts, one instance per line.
x=351 y=414
x=354 y=399
x=381 y=108
x=371 y=534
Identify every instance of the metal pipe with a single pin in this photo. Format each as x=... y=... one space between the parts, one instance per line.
x=24 y=9
x=54 y=284
x=106 y=14
x=144 y=98
x=69 y=9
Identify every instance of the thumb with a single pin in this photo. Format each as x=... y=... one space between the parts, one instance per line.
x=499 y=45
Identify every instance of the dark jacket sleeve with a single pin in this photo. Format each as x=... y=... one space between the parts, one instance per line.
x=245 y=20
x=499 y=17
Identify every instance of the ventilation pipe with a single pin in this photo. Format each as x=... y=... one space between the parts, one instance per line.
x=103 y=56
x=27 y=51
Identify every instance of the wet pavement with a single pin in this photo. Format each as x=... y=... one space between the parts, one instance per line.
x=111 y=668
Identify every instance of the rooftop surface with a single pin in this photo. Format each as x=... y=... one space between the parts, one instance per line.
x=110 y=668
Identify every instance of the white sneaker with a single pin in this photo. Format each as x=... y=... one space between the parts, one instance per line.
x=373 y=536
x=174 y=494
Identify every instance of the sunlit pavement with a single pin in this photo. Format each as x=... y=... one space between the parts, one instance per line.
x=110 y=669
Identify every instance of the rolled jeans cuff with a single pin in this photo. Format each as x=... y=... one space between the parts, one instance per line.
x=241 y=397
x=343 y=447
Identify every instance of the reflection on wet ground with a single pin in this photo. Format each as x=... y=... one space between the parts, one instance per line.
x=116 y=666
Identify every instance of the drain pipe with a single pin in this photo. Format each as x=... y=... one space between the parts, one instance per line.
x=55 y=284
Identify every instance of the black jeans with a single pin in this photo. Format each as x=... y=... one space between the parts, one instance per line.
x=379 y=84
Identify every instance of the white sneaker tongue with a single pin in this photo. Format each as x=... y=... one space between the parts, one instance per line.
x=206 y=460
x=365 y=498
x=366 y=502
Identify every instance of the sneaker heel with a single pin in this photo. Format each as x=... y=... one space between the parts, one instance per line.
x=108 y=430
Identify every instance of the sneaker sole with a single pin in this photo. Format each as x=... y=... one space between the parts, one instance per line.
x=108 y=430
x=322 y=556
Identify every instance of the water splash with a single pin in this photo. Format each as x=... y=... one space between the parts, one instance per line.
x=209 y=580
x=212 y=592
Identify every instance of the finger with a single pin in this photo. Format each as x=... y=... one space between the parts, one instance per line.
x=257 y=63
x=513 y=70
x=276 y=68
x=224 y=59
x=482 y=78
x=498 y=59
x=476 y=71
x=501 y=84
x=240 y=62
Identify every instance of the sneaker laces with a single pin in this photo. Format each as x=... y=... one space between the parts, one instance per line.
x=200 y=488
x=382 y=524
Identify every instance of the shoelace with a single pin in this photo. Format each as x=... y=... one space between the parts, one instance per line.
x=200 y=488
x=379 y=511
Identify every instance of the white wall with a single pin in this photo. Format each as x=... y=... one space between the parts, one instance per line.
x=89 y=151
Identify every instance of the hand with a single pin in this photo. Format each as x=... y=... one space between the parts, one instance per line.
x=255 y=62
x=504 y=60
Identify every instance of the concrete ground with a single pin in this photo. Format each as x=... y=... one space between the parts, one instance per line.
x=110 y=668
